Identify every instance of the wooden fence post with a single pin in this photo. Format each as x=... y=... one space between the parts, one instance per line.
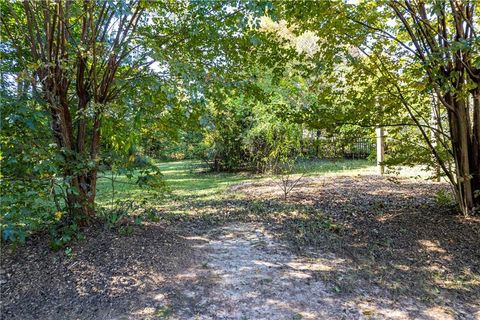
x=380 y=150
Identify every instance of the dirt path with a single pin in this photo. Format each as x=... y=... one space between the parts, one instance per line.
x=247 y=273
x=253 y=276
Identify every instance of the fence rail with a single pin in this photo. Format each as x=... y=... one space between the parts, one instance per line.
x=334 y=147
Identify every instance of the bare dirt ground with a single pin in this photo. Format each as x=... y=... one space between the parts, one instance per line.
x=339 y=248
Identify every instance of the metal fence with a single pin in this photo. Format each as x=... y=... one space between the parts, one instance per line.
x=335 y=147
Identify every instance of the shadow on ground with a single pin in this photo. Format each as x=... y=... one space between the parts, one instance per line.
x=107 y=276
x=339 y=248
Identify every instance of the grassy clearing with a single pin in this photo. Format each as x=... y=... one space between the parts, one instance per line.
x=189 y=180
x=184 y=180
x=335 y=167
x=193 y=194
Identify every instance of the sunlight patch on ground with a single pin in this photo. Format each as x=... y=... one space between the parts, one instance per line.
x=440 y=313
x=432 y=246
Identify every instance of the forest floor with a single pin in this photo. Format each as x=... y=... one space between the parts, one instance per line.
x=345 y=244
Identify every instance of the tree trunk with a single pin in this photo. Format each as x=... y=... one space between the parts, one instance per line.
x=465 y=152
x=476 y=146
x=435 y=118
x=476 y=142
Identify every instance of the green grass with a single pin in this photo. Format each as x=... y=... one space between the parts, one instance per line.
x=184 y=180
x=190 y=181
x=335 y=167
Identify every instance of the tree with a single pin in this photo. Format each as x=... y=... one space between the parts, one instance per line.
x=443 y=37
x=77 y=52
x=411 y=49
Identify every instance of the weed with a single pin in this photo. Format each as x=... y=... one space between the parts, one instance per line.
x=69 y=252
x=163 y=312
x=297 y=316
x=444 y=198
